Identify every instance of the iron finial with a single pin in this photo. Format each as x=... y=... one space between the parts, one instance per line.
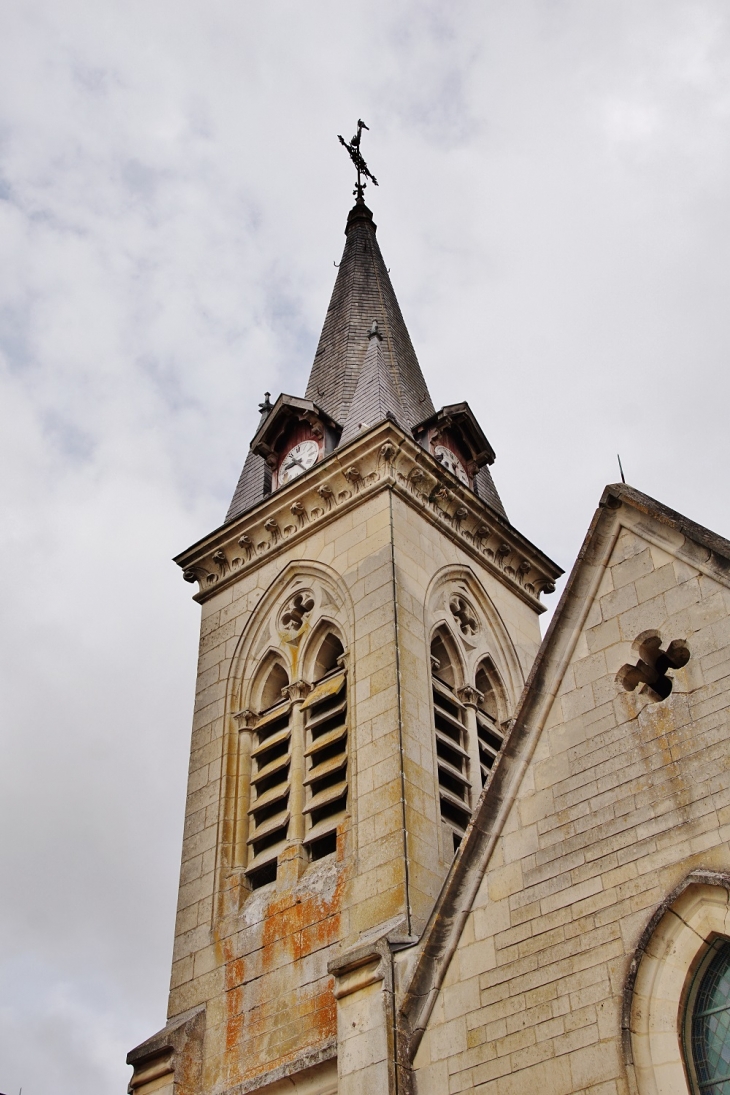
x=265 y=407
x=356 y=156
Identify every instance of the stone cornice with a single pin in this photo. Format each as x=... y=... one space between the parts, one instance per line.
x=382 y=458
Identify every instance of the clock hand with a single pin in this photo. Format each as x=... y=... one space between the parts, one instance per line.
x=293 y=462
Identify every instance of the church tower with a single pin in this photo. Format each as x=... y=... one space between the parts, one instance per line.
x=369 y=618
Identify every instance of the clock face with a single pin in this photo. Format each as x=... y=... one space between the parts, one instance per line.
x=298 y=459
x=451 y=462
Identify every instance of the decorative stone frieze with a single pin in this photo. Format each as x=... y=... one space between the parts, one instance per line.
x=382 y=458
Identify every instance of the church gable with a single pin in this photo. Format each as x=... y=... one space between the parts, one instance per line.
x=613 y=788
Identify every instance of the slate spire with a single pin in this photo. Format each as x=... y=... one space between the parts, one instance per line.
x=363 y=295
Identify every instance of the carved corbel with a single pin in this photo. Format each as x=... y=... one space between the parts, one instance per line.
x=481 y=534
x=272 y=527
x=523 y=570
x=297 y=508
x=353 y=476
x=440 y=495
x=327 y=495
x=221 y=561
x=246 y=543
x=198 y=574
x=502 y=552
x=387 y=452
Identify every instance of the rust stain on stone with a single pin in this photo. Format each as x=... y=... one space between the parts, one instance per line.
x=274 y=1006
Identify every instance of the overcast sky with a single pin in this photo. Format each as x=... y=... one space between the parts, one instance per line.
x=554 y=208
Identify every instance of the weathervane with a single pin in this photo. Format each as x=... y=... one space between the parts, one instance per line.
x=356 y=156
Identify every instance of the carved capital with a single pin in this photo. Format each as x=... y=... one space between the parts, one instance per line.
x=245 y=719
x=470 y=697
x=297 y=691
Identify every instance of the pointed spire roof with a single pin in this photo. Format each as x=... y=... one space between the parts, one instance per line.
x=363 y=294
x=365 y=370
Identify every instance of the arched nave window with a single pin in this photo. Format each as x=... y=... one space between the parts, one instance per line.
x=707 y=1023
x=677 y=1017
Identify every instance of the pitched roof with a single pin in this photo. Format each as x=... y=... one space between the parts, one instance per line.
x=363 y=294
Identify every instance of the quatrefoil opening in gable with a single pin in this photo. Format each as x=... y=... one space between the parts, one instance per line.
x=653 y=665
x=464 y=615
x=296 y=611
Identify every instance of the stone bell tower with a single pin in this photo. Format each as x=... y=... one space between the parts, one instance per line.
x=369 y=616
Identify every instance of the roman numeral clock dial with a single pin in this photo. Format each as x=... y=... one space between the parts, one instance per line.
x=449 y=460
x=297 y=460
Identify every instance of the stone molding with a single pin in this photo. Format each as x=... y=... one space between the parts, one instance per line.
x=676 y=938
x=381 y=458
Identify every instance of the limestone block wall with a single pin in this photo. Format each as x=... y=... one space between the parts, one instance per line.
x=422 y=554
x=622 y=798
x=259 y=960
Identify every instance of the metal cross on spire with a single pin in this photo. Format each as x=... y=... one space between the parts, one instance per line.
x=356 y=156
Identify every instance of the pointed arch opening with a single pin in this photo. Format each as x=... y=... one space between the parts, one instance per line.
x=452 y=753
x=328 y=654
x=270 y=774
x=326 y=745
x=490 y=715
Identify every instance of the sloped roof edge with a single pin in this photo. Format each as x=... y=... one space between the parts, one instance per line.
x=430 y=957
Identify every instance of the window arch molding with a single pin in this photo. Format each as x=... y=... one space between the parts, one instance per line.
x=259 y=633
x=326 y=625
x=443 y=632
x=261 y=645
x=672 y=947
x=492 y=637
x=262 y=689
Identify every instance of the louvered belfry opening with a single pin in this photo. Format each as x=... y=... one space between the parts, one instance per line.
x=270 y=780
x=325 y=723
x=490 y=734
x=452 y=754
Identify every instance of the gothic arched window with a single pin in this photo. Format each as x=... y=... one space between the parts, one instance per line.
x=490 y=736
x=707 y=1026
x=452 y=755
x=270 y=778
x=325 y=751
